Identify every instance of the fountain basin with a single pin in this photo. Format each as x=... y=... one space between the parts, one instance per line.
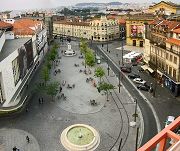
x=80 y=137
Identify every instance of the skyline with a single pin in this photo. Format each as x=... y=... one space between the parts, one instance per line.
x=37 y=4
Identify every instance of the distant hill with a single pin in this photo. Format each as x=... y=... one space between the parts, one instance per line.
x=115 y=3
x=97 y=4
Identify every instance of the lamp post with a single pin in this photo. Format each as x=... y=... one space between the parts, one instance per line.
x=122 y=49
x=119 y=81
x=135 y=112
x=155 y=84
x=137 y=136
x=108 y=66
x=107 y=38
x=119 y=149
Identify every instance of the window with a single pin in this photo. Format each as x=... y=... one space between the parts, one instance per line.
x=175 y=60
x=174 y=73
x=170 y=58
x=170 y=70
x=166 y=67
x=167 y=56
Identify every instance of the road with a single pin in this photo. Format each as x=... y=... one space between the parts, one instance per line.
x=150 y=127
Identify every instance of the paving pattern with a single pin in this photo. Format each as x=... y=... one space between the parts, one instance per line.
x=45 y=122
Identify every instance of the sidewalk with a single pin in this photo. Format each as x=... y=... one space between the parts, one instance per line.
x=10 y=138
x=111 y=118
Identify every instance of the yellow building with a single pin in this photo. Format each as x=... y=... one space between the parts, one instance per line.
x=135 y=29
x=164 y=8
x=99 y=30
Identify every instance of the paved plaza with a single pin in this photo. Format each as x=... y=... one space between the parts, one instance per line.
x=43 y=123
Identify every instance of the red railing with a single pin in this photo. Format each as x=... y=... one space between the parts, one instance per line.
x=162 y=137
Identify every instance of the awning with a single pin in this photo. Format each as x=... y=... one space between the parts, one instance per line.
x=160 y=72
x=145 y=67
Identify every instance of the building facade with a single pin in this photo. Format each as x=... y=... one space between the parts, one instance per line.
x=19 y=57
x=162 y=52
x=165 y=8
x=135 y=29
x=98 y=30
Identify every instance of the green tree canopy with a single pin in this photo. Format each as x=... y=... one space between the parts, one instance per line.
x=99 y=72
x=106 y=87
x=52 y=89
x=83 y=46
x=90 y=58
x=45 y=74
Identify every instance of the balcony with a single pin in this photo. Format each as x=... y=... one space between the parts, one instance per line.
x=173 y=51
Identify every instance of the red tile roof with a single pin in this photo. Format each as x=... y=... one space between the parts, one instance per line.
x=4 y=25
x=173 y=41
x=170 y=24
x=23 y=26
x=177 y=31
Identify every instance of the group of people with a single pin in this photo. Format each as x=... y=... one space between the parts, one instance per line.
x=27 y=140
x=57 y=71
x=93 y=102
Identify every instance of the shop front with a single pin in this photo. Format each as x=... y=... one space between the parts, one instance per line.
x=173 y=86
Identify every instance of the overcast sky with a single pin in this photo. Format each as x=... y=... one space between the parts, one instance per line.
x=27 y=4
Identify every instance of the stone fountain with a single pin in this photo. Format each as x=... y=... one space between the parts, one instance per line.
x=80 y=137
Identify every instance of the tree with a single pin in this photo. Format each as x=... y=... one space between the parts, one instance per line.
x=83 y=46
x=89 y=58
x=99 y=72
x=45 y=74
x=52 y=89
x=106 y=87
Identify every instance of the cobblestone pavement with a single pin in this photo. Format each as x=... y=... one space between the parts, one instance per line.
x=45 y=122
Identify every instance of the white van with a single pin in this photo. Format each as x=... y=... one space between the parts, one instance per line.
x=98 y=59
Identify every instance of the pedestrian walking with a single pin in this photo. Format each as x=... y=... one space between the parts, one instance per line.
x=39 y=101
x=42 y=100
x=27 y=109
x=117 y=55
x=14 y=148
x=60 y=89
x=27 y=139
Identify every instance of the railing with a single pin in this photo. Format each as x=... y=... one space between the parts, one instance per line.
x=173 y=51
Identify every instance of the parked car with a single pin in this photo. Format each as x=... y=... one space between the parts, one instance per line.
x=169 y=120
x=139 y=80
x=133 y=76
x=134 y=64
x=126 y=69
x=143 y=87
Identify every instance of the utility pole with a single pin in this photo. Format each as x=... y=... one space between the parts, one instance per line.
x=119 y=149
x=119 y=81
x=137 y=135
x=155 y=84
x=135 y=112
x=122 y=49
x=108 y=66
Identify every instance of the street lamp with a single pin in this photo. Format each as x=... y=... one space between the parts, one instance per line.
x=137 y=136
x=155 y=84
x=119 y=81
x=122 y=49
x=107 y=37
x=135 y=112
x=108 y=66
x=119 y=149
